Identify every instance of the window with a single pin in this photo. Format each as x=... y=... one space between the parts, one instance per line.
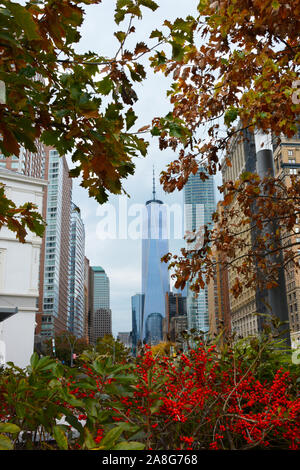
x=290 y=152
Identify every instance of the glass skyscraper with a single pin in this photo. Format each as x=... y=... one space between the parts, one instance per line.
x=137 y=307
x=76 y=274
x=199 y=198
x=101 y=297
x=55 y=264
x=100 y=314
x=155 y=274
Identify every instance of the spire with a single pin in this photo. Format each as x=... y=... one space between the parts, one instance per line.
x=153 y=185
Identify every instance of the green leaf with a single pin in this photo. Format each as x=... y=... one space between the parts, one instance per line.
x=60 y=437
x=105 y=86
x=75 y=423
x=34 y=360
x=275 y=4
x=155 y=131
x=5 y=443
x=177 y=51
x=9 y=427
x=131 y=117
x=46 y=363
x=156 y=34
x=123 y=3
x=149 y=4
x=111 y=437
x=155 y=408
x=24 y=20
x=120 y=35
x=160 y=58
x=176 y=131
x=230 y=116
x=20 y=410
x=88 y=439
x=132 y=445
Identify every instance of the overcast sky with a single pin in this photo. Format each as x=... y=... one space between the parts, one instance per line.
x=121 y=259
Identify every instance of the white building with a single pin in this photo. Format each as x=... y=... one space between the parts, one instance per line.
x=19 y=274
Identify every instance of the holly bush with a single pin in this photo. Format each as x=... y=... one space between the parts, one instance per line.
x=234 y=395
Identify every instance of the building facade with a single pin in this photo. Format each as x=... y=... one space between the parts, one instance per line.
x=246 y=309
x=175 y=307
x=19 y=273
x=28 y=163
x=287 y=163
x=199 y=200
x=100 y=312
x=125 y=338
x=86 y=298
x=218 y=295
x=102 y=323
x=76 y=318
x=53 y=310
x=137 y=310
x=155 y=275
x=243 y=309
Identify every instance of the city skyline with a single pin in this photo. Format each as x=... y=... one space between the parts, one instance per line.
x=122 y=258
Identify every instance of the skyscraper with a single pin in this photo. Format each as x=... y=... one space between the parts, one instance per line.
x=137 y=308
x=76 y=316
x=218 y=292
x=199 y=198
x=100 y=313
x=54 y=274
x=155 y=275
x=86 y=298
x=27 y=163
x=175 y=308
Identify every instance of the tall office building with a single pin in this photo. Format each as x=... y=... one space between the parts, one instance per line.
x=54 y=273
x=218 y=294
x=199 y=198
x=137 y=309
x=125 y=338
x=175 y=308
x=243 y=309
x=287 y=163
x=53 y=302
x=76 y=318
x=247 y=309
x=86 y=298
x=155 y=275
x=100 y=313
x=28 y=163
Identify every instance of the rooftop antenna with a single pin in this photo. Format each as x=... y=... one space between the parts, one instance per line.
x=153 y=185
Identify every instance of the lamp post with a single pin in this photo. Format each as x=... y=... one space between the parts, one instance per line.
x=72 y=345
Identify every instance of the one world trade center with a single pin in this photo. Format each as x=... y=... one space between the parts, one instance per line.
x=155 y=274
